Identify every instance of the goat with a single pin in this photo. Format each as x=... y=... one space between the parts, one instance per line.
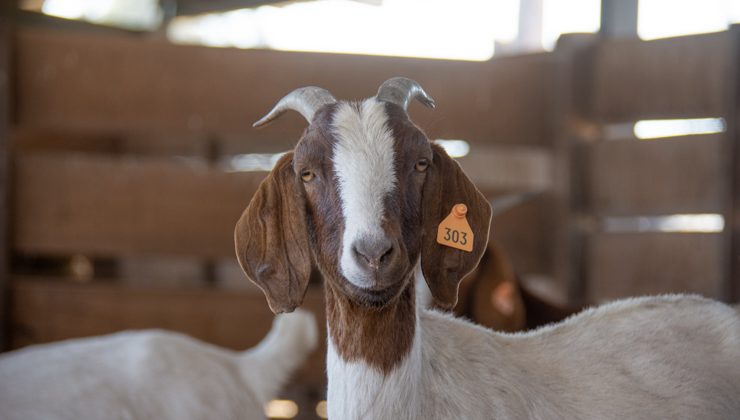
x=361 y=198
x=152 y=374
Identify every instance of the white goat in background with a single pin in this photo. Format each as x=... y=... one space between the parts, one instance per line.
x=362 y=198
x=152 y=374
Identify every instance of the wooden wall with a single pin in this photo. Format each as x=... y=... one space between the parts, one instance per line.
x=624 y=81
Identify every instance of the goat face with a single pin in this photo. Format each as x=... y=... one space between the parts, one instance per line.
x=360 y=197
x=363 y=166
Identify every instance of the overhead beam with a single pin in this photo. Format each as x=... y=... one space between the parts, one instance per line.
x=194 y=7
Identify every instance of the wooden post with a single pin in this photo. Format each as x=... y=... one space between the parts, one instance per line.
x=5 y=103
x=732 y=156
x=530 y=29
x=619 y=18
x=573 y=56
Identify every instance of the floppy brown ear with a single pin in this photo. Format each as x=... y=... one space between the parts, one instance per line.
x=443 y=267
x=272 y=241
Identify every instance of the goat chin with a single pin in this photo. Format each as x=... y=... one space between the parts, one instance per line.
x=152 y=374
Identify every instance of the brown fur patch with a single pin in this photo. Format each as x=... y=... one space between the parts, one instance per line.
x=380 y=337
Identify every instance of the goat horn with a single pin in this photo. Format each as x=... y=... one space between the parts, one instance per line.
x=401 y=91
x=305 y=100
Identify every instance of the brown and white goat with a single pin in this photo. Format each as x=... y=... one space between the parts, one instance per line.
x=361 y=198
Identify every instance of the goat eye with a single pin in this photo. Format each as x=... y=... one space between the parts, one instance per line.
x=307 y=176
x=422 y=165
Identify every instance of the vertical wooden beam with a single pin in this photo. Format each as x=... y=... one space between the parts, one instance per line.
x=530 y=27
x=732 y=156
x=619 y=18
x=5 y=103
x=570 y=128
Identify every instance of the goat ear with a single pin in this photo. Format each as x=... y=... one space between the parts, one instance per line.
x=444 y=267
x=272 y=240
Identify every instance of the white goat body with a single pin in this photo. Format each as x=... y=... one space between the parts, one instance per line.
x=152 y=374
x=671 y=357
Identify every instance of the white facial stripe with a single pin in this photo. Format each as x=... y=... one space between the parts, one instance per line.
x=363 y=163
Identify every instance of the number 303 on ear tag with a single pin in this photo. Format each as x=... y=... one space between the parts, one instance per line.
x=454 y=231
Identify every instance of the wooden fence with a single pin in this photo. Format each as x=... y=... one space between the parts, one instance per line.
x=614 y=175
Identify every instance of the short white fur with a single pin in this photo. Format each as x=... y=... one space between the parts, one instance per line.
x=152 y=374
x=363 y=164
x=621 y=360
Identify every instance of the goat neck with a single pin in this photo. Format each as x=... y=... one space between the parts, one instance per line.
x=380 y=337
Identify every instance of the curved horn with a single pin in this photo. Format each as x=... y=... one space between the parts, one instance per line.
x=305 y=100
x=401 y=91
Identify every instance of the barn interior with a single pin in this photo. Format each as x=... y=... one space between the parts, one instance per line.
x=604 y=133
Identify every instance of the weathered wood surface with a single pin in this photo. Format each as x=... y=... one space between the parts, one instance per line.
x=5 y=181
x=49 y=310
x=664 y=176
x=732 y=165
x=508 y=168
x=632 y=264
x=69 y=81
x=107 y=206
x=573 y=58
x=525 y=232
x=666 y=78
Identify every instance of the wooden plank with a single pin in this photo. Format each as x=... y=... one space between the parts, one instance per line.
x=665 y=176
x=70 y=81
x=631 y=264
x=667 y=78
x=30 y=18
x=5 y=183
x=45 y=311
x=496 y=169
x=194 y=7
x=732 y=165
x=174 y=272
x=142 y=144
x=524 y=232
x=104 y=206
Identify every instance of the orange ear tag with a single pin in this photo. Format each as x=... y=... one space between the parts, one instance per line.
x=454 y=231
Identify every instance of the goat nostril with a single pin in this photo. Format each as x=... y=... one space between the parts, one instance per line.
x=386 y=254
x=359 y=255
x=372 y=253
